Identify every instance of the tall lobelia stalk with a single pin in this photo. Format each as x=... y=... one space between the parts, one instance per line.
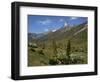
x=68 y=50
x=54 y=48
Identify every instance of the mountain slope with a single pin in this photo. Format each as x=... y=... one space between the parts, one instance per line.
x=66 y=33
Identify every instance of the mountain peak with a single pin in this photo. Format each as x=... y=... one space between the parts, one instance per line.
x=65 y=24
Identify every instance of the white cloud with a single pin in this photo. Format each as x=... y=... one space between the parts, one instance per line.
x=44 y=22
x=73 y=18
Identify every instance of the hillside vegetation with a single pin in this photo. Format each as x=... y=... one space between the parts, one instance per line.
x=65 y=46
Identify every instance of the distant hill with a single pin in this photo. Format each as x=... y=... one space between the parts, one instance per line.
x=34 y=36
x=31 y=36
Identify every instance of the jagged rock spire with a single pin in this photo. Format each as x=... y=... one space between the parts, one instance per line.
x=65 y=24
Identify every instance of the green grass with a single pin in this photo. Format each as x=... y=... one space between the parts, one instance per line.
x=37 y=59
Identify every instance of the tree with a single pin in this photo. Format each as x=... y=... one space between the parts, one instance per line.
x=68 y=50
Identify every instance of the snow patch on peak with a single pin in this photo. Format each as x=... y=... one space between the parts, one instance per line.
x=54 y=30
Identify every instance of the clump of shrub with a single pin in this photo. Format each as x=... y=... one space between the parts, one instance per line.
x=32 y=49
x=32 y=45
x=58 y=61
x=77 y=61
x=40 y=52
x=65 y=61
x=52 y=62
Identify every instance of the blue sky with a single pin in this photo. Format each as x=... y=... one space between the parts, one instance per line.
x=43 y=23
